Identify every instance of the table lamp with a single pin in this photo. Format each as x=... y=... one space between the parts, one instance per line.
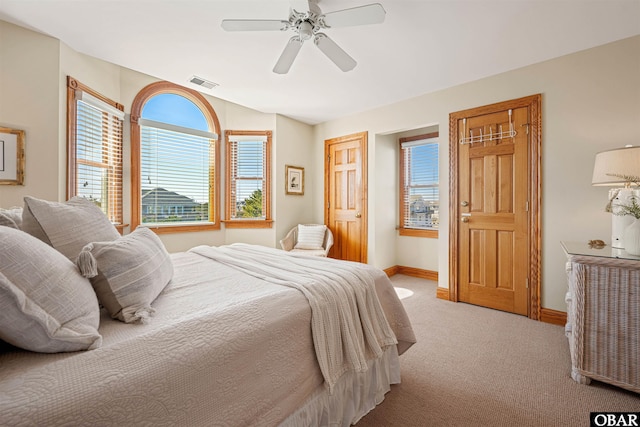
x=618 y=168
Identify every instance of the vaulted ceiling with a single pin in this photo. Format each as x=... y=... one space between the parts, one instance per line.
x=421 y=47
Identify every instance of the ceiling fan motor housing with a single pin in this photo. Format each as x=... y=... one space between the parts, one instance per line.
x=305 y=29
x=306 y=23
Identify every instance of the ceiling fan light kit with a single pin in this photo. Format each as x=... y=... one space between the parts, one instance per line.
x=309 y=24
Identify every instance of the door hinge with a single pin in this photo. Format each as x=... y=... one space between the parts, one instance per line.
x=328 y=158
x=527 y=125
x=527 y=283
x=526 y=206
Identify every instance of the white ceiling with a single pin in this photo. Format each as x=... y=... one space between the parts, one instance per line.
x=421 y=47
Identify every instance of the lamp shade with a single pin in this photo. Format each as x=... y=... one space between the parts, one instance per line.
x=611 y=165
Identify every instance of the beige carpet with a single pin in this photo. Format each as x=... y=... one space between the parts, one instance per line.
x=474 y=366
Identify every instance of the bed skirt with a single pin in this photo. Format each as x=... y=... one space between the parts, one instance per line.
x=355 y=394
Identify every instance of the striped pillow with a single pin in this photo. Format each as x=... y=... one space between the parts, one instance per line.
x=310 y=236
x=128 y=273
x=67 y=226
x=45 y=304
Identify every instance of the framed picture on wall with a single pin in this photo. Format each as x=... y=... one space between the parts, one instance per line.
x=294 y=179
x=11 y=156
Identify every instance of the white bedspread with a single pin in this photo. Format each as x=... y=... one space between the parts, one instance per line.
x=224 y=349
x=347 y=321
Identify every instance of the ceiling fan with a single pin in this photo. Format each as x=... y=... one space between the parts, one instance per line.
x=307 y=21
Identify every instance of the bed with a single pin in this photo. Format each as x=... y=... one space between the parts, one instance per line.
x=233 y=338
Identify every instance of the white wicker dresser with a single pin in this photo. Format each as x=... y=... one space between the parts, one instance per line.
x=603 y=315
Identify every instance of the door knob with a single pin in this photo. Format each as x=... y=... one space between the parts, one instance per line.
x=358 y=214
x=465 y=219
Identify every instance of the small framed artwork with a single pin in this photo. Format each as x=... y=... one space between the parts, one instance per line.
x=11 y=156
x=294 y=176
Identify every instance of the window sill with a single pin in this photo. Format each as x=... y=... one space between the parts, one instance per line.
x=249 y=223
x=413 y=232
x=186 y=228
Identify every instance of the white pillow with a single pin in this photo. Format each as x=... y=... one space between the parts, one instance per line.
x=67 y=226
x=128 y=273
x=11 y=217
x=310 y=236
x=45 y=304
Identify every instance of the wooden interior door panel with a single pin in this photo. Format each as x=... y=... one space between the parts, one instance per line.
x=345 y=196
x=491 y=198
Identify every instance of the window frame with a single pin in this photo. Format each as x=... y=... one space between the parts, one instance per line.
x=74 y=92
x=148 y=92
x=402 y=230
x=267 y=222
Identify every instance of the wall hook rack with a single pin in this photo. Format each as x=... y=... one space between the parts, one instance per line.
x=472 y=139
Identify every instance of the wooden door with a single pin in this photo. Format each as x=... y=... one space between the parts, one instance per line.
x=493 y=198
x=345 y=196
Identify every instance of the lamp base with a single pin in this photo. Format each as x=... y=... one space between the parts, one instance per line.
x=619 y=196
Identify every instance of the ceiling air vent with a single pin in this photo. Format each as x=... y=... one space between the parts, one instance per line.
x=202 y=82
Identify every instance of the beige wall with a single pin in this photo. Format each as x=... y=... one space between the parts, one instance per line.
x=296 y=140
x=29 y=94
x=590 y=102
x=383 y=184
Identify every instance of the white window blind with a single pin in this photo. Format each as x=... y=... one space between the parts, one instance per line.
x=98 y=154
x=420 y=195
x=177 y=167
x=248 y=181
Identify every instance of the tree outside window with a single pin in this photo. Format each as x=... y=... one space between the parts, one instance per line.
x=248 y=166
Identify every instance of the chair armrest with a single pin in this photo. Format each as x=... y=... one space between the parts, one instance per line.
x=328 y=241
x=289 y=240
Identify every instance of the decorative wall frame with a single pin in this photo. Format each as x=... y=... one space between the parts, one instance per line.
x=294 y=180
x=11 y=156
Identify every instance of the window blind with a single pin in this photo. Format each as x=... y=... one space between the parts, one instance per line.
x=177 y=167
x=98 y=154
x=248 y=180
x=420 y=196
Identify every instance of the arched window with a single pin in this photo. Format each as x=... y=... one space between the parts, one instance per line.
x=174 y=160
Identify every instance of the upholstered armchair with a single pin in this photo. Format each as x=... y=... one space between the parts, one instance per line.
x=309 y=239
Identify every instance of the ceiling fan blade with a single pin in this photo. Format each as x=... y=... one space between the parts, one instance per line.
x=254 y=25
x=288 y=55
x=361 y=15
x=334 y=52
